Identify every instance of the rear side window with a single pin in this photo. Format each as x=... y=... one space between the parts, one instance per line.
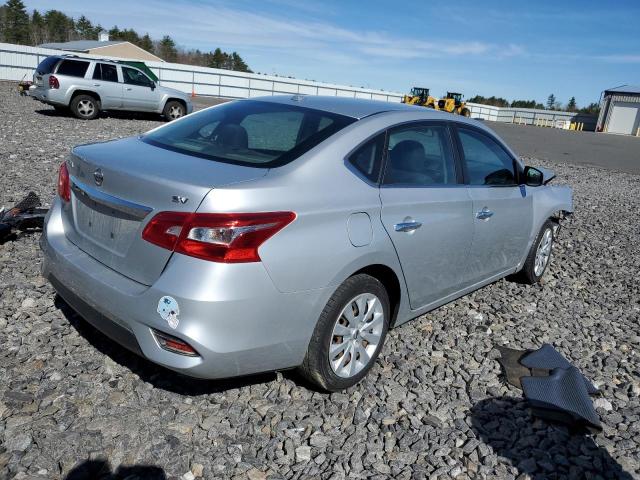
x=47 y=65
x=420 y=155
x=105 y=72
x=368 y=158
x=73 y=68
x=486 y=161
x=249 y=132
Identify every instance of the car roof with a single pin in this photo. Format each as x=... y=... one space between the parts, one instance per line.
x=350 y=107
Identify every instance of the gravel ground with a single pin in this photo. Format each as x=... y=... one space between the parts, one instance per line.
x=75 y=405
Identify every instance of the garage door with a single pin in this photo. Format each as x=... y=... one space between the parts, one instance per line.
x=624 y=118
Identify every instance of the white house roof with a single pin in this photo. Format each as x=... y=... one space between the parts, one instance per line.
x=81 y=45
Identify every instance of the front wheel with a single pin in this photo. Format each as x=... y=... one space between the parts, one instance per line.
x=349 y=334
x=465 y=112
x=173 y=110
x=540 y=255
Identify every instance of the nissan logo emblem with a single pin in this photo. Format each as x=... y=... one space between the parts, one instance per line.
x=98 y=177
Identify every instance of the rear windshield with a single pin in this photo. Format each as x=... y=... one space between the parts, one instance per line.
x=249 y=132
x=46 y=65
x=73 y=68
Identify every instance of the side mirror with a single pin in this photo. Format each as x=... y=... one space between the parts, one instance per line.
x=533 y=177
x=152 y=86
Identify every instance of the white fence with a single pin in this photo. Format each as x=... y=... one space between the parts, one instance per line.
x=531 y=116
x=18 y=62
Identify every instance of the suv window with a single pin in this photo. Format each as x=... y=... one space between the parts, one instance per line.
x=135 y=77
x=47 y=65
x=487 y=162
x=420 y=155
x=368 y=158
x=249 y=132
x=73 y=68
x=106 y=72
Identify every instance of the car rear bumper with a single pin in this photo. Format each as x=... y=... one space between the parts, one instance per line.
x=48 y=96
x=231 y=314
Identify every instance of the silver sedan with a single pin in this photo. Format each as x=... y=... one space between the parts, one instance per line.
x=287 y=232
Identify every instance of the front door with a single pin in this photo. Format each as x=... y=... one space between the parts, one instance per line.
x=139 y=91
x=426 y=211
x=502 y=209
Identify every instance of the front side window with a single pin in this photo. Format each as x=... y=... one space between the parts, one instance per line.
x=420 y=155
x=135 y=77
x=73 y=68
x=487 y=162
x=249 y=132
x=368 y=158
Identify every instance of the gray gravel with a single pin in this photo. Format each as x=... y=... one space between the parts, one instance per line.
x=433 y=407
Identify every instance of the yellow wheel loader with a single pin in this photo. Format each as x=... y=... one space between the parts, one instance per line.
x=420 y=96
x=453 y=104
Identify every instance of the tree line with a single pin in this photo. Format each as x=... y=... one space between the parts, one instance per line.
x=20 y=27
x=552 y=104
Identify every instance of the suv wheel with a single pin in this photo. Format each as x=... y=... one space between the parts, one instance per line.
x=349 y=334
x=173 y=110
x=85 y=107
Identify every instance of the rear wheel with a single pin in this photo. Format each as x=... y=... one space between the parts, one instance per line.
x=85 y=107
x=173 y=110
x=540 y=254
x=349 y=334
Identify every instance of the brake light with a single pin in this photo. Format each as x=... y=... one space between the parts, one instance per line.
x=218 y=237
x=53 y=82
x=64 y=183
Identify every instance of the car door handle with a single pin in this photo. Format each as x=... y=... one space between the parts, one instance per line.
x=96 y=84
x=407 y=226
x=129 y=89
x=484 y=214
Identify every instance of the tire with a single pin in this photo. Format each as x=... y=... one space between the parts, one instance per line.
x=317 y=367
x=533 y=270
x=465 y=112
x=85 y=107
x=173 y=110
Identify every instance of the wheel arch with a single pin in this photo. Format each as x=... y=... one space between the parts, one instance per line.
x=175 y=99
x=91 y=93
x=389 y=279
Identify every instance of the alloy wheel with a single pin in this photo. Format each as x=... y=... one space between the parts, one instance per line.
x=543 y=252
x=175 y=112
x=86 y=108
x=356 y=335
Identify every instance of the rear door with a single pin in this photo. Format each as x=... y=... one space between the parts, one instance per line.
x=426 y=210
x=105 y=80
x=502 y=209
x=139 y=92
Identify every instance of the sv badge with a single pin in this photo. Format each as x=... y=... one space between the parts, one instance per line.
x=179 y=199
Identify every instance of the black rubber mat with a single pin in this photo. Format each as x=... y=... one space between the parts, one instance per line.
x=548 y=358
x=562 y=396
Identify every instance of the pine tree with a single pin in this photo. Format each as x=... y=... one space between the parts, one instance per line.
x=15 y=25
x=167 y=49
x=217 y=59
x=551 y=102
x=146 y=43
x=85 y=29
x=571 y=106
x=37 y=28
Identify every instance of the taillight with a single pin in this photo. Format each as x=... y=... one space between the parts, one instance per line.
x=218 y=237
x=64 y=184
x=53 y=82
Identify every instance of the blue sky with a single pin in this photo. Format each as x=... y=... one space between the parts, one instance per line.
x=514 y=49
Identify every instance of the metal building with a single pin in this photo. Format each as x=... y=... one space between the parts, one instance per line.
x=620 y=110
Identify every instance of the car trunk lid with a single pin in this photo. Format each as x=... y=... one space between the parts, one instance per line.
x=118 y=186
